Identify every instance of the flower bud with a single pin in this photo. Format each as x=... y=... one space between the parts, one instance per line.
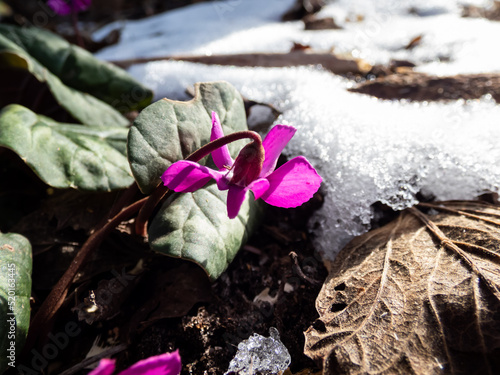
x=248 y=164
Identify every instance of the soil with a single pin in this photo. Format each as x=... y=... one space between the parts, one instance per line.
x=207 y=336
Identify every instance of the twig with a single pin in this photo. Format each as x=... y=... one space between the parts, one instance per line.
x=295 y=258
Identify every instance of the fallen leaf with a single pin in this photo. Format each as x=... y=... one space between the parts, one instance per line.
x=329 y=61
x=420 y=295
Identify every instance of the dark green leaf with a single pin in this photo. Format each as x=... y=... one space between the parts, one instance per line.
x=63 y=155
x=83 y=107
x=169 y=130
x=195 y=226
x=79 y=69
x=15 y=293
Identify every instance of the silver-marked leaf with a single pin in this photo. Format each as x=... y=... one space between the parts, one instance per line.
x=169 y=130
x=420 y=295
x=65 y=155
x=83 y=107
x=79 y=69
x=195 y=226
x=15 y=293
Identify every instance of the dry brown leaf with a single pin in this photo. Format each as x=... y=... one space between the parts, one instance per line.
x=329 y=61
x=418 y=296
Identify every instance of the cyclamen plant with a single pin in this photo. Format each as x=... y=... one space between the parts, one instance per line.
x=163 y=364
x=291 y=185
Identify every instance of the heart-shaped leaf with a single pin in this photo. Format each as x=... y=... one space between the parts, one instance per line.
x=63 y=155
x=79 y=69
x=418 y=296
x=195 y=226
x=15 y=293
x=83 y=107
x=169 y=130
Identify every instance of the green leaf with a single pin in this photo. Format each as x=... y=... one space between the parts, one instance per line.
x=15 y=293
x=83 y=107
x=169 y=130
x=79 y=69
x=89 y=158
x=195 y=226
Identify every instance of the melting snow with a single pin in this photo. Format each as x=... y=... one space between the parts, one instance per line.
x=367 y=150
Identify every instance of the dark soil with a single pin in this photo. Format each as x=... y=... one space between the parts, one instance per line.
x=208 y=334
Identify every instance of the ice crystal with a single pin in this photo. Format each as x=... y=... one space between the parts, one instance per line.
x=266 y=355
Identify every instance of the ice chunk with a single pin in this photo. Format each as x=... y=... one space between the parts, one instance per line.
x=266 y=355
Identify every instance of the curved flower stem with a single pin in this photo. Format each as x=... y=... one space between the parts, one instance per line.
x=41 y=322
x=157 y=196
x=146 y=211
x=222 y=141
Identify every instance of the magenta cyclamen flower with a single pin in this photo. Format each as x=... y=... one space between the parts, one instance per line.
x=291 y=185
x=163 y=364
x=64 y=8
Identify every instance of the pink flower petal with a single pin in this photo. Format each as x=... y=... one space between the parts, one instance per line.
x=64 y=8
x=220 y=156
x=258 y=187
x=163 y=364
x=235 y=197
x=292 y=184
x=187 y=176
x=81 y=5
x=60 y=7
x=106 y=367
x=274 y=142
